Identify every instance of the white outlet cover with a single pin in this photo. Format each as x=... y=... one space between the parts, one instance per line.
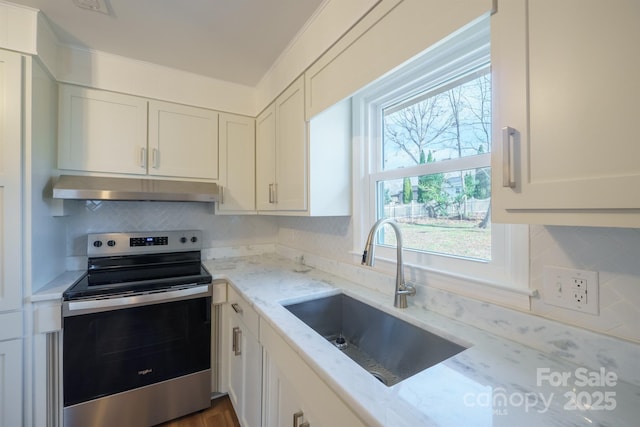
x=558 y=284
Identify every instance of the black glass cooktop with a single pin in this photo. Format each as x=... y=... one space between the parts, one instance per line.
x=138 y=273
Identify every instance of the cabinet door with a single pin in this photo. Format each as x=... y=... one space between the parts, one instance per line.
x=573 y=147
x=281 y=402
x=237 y=138
x=245 y=360
x=11 y=383
x=101 y=131
x=291 y=149
x=265 y=159
x=183 y=141
x=291 y=387
x=10 y=181
x=245 y=374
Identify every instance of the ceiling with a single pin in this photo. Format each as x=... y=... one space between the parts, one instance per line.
x=232 y=40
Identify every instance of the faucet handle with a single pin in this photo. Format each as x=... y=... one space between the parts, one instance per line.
x=407 y=289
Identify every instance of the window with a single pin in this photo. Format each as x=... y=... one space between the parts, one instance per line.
x=425 y=138
x=433 y=171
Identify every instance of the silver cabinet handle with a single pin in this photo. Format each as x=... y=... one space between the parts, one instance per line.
x=237 y=338
x=143 y=158
x=508 y=159
x=270 y=193
x=155 y=154
x=221 y=199
x=236 y=307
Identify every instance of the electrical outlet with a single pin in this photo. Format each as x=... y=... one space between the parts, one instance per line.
x=579 y=283
x=579 y=296
x=572 y=289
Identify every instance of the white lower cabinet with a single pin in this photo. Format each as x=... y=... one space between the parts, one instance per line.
x=282 y=405
x=268 y=383
x=245 y=361
x=10 y=383
x=294 y=395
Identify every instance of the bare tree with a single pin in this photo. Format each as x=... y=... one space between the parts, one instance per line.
x=480 y=109
x=413 y=128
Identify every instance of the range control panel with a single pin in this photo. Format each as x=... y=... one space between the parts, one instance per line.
x=149 y=241
x=107 y=244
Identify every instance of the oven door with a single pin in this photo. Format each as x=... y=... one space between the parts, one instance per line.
x=112 y=346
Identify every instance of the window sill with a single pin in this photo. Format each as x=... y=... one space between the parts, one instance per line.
x=502 y=294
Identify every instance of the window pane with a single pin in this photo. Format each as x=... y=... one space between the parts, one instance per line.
x=450 y=123
x=445 y=213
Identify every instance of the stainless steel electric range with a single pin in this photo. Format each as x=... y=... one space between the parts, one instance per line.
x=137 y=331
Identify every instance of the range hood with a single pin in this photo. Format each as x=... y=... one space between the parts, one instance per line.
x=105 y=188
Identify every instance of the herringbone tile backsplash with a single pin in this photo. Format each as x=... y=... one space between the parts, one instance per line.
x=218 y=230
x=614 y=253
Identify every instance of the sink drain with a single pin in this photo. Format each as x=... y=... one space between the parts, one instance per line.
x=341 y=343
x=379 y=377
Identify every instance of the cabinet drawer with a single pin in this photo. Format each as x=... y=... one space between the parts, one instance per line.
x=240 y=307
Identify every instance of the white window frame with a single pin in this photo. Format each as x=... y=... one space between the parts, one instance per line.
x=504 y=279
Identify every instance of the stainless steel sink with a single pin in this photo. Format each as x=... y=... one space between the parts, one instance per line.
x=389 y=348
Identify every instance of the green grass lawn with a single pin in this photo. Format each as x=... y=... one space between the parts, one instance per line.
x=455 y=237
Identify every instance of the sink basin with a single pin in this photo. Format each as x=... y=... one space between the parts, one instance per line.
x=389 y=348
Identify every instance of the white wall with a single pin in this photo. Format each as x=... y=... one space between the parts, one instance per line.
x=46 y=233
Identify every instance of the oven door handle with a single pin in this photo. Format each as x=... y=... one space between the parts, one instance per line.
x=71 y=308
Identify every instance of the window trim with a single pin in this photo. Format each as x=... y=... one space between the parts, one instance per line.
x=504 y=279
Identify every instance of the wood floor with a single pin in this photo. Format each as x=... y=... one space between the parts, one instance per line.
x=220 y=414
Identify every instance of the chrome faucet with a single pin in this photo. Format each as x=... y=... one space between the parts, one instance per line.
x=402 y=289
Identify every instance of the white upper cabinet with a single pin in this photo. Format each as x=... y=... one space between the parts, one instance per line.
x=393 y=32
x=281 y=153
x=291 y=149
x=303 y=168
x=237 y=136
x=101 y=131
x=183 y=141
x=266 y=159
x=109 y=132
x=565 y=79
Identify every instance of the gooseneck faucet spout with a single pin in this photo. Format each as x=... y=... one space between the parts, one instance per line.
x=402 y=289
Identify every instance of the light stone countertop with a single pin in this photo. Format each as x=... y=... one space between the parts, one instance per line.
x=495 y=382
